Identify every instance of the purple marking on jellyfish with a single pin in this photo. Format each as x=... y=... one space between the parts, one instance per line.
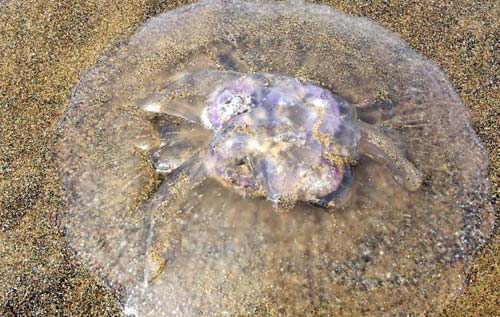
x=254 y=138
x=230 y=101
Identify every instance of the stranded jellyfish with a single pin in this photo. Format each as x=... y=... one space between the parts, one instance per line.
x=265 y=158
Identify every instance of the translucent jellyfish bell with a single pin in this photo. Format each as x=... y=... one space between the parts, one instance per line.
x=196 y=159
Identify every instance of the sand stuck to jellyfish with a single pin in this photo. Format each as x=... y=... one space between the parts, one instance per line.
x=251 y=157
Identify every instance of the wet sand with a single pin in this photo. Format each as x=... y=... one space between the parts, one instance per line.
x=44 y=47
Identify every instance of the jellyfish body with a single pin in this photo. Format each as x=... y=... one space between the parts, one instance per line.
x=274 y=138
x=288 y=141
x=170 y=142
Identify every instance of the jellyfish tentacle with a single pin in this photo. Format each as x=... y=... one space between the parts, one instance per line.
x=377 y=146
x=159 y=210
x=375 y=111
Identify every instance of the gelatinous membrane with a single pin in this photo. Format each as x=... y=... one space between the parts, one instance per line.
x=180 y=243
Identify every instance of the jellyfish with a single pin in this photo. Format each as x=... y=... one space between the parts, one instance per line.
x=271 y=158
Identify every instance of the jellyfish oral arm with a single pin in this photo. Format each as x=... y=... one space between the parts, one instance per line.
x=375 y=111
x=262 y=172
x=190 y=172
x=170 y=191
x=375 y=145
x=186 y=96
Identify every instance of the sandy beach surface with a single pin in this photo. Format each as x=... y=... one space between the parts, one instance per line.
x=44 y=47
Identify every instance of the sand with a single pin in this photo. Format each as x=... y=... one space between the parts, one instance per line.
x=45 y=45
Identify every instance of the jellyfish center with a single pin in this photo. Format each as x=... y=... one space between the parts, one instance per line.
x=280 y=138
